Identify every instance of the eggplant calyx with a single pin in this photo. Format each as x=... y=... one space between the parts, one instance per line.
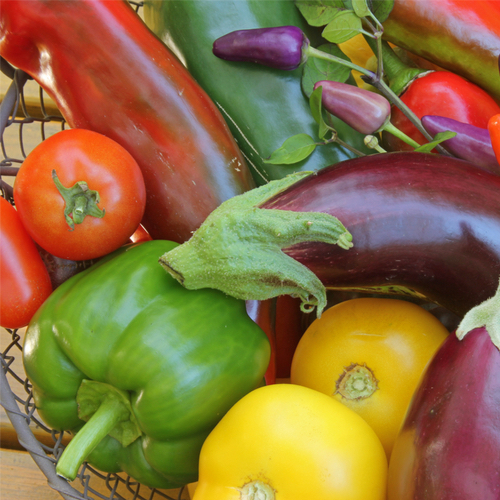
x=238 y=249
x=486 y=314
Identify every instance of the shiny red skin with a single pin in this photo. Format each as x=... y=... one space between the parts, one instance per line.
x=461 y=36
x=109 y=73
x=263 y=312
x=426 y=222
x=25 y=282
x=449 y=445
x=444 y=94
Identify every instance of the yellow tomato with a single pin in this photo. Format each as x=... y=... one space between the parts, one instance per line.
x=287 y=442
x=369 y=354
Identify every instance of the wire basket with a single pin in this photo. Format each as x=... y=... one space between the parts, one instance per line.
x=23 y=125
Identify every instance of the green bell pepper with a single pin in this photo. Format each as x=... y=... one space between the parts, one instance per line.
x=262 y=106
x=139 y=368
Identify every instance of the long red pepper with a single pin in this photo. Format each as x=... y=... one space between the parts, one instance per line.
x=462 y=36
x=107 y=72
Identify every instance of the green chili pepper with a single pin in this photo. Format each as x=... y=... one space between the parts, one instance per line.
x=140 y=368
x=263 y=106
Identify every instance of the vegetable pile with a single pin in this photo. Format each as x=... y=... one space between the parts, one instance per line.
x=286 y=257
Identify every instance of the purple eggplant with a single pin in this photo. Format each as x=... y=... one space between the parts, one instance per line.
x=421 y=224
x=282 y=47
x=449 y=444
x=363 y=110
x=471 y=143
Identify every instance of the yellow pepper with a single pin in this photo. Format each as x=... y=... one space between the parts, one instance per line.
x=287 y=442
x=360 y=53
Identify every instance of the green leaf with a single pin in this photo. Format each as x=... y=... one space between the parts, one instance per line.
x=381 y=9
x=318 y=69
x=342 y=27
x=294 y=149
x=317 y=112
x=438 y=138
x=361 y=8
x=319 y=12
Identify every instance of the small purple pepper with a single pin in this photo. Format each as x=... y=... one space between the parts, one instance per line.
x=282 y=47
x=363 y=110
x=471 y=143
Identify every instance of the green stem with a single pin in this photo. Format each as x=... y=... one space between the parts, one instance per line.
x=378 y=82
x=319 y=54
x=486 y=314
x=79 y=201
x=372 y=142
x=389 y=127
x=100 y=424
x=400 y=75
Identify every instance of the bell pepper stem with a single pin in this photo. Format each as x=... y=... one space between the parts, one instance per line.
x=238 y=249
x=109 y=413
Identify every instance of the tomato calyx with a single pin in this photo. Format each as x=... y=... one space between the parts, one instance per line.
x=356 y=382
x=257 y=490
x=79 y=200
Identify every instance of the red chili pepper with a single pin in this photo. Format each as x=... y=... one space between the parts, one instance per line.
x=109 y=73
x=494 y=131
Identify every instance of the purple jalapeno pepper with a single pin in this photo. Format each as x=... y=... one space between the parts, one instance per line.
x=471 y=143
x=282 y=47
x=363 y=110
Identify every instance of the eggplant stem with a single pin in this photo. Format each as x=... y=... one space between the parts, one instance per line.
x=486 y=314
x=238 y=249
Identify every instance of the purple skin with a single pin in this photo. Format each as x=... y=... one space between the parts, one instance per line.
x=282 y=47
x=426 y=222
x=471 y=143
x=363 y=110
x=449 y=445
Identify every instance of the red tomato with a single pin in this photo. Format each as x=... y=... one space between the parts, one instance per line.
x=24 y=279
x=113 y=180
x=445 y=94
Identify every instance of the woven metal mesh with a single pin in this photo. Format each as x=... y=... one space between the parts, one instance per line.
x=22 y=127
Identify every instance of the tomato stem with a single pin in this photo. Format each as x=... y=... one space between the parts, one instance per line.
x=79 y=201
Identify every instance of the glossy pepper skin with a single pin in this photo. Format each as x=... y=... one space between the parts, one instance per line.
x=181 y=359
x=263 y=106
x=280 y=47
x=494 y=133
x=108 y=73
x=365 y=111
x=444 y=94
x=471 y=143
x=462 y=36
